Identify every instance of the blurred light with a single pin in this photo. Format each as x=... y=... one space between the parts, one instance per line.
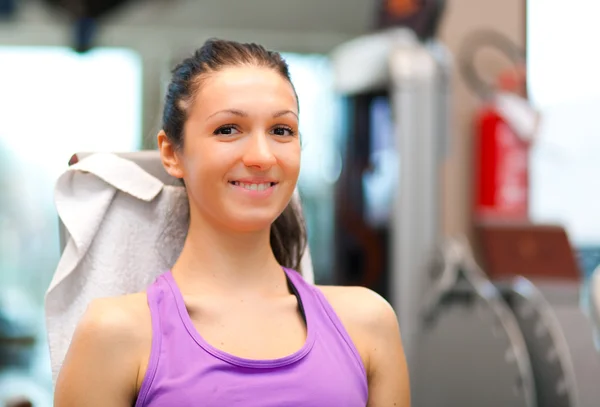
x=563 y=63
x=562 y=75
x=331 y=173
x=88 y=102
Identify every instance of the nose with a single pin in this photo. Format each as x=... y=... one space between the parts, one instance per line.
x=258 y=153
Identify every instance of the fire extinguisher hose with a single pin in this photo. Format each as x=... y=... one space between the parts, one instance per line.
x=474 y=42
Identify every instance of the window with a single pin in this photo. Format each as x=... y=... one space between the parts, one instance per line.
x=312 y=76
x=53 y=103
x=564 y=85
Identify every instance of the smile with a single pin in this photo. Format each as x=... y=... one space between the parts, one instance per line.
x=252 y=186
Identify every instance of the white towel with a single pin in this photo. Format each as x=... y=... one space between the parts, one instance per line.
x=125 y=228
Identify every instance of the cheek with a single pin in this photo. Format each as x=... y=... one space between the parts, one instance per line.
x=204 y=164
x=288 y=158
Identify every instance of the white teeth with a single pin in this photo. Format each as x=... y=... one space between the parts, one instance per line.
x=253 y=187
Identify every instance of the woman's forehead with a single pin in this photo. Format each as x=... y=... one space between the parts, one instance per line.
x=246 y=86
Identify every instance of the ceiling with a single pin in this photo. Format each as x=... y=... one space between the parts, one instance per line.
x=150 y=26
x=342 y=16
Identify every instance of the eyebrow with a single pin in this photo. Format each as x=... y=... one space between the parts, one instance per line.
x=241 y=113
x=284 y=112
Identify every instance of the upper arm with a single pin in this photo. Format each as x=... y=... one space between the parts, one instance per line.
x=389 y=383
x=100 y=368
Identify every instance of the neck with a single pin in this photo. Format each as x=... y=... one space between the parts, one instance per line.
x=222 y=261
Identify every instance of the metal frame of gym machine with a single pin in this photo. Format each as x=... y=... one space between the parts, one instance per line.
x=468 y=340
x=416 y=76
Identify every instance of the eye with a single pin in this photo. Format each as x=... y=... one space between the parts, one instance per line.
x=227 y=130
x=283 y=131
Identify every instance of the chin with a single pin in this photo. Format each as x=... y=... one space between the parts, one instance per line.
x=251 y=222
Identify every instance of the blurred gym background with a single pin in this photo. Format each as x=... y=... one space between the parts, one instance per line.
x=90 y=76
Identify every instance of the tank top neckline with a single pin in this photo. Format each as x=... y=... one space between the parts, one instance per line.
x=245 y=362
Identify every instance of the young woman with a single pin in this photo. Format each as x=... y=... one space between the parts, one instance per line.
x=232 y=324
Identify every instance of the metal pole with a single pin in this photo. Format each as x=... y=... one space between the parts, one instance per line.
x=415 y=224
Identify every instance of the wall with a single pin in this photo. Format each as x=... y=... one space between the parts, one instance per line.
x=462 y=17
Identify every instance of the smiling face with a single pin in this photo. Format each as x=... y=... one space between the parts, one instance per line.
x=241 y=151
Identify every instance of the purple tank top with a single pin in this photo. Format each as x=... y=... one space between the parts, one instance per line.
x=184 y=370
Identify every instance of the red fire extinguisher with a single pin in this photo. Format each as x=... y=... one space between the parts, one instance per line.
x=505 y=125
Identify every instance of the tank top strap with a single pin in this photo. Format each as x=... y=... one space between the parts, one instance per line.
x=304 y=290
x=324 y=317
x=309 y=301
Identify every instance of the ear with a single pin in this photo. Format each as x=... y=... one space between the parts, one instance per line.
x=169 y=155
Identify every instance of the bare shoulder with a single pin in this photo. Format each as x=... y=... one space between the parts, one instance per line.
x=118 y=309
x=123 y=317
x=115 y=325
x=362 y=307
x=114 y=335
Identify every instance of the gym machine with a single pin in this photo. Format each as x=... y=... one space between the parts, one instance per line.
x=514 y=335
x=387 y=195
x=510 y=333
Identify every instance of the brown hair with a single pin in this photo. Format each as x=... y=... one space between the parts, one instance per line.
x=288 y=232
